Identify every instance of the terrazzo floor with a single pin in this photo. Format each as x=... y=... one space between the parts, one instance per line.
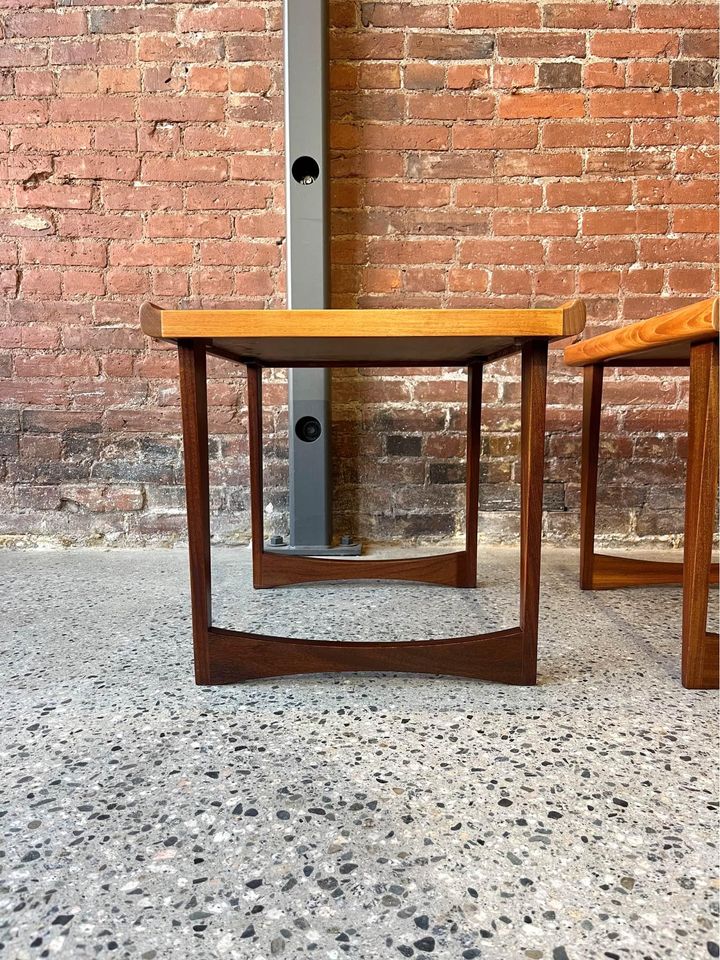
x=362 y=816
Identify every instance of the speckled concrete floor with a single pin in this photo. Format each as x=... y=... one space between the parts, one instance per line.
x=367 y=816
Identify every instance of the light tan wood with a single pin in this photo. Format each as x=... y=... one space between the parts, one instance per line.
x=335 y=337
x=560 y=321
x=666 y=337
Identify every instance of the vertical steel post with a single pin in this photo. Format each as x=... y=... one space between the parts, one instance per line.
x=308 y=278
x=308 y=266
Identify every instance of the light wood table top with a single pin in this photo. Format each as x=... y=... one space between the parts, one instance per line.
x=293 y=338
x=664 y=338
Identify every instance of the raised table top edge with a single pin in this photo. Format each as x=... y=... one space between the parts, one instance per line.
x=555 y=322
x=694 y=322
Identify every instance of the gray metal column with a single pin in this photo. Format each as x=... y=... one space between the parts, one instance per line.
x=308 y=269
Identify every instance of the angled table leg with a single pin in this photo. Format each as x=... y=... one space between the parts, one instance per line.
x=193 y=397
x=700 y=648
x=532 y=464
x=592 y=403
x=472 y=473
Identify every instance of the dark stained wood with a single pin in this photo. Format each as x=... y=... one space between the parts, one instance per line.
x=245 y=656
x=457 y=569
x=255 y=456
x=472 y=473
x=592 y=403
x=193 y=397
x=699 y=648
x=280 y=569
x=225 y=656
x=666 y=340
x=532 y=463
x=609 y=573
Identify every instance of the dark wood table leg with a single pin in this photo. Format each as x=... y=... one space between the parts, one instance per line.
x=472 y=472
x=592 y=403
x=532 y=466
x=193 y=397
x=700 y=648
x=255 y=456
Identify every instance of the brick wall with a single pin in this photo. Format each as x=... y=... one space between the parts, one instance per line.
x=507 y=153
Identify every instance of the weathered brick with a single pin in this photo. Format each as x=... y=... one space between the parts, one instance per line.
x=559 y=75
x=144 y=159
x=693 y=73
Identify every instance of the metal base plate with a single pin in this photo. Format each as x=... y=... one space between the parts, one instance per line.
x=342 y=550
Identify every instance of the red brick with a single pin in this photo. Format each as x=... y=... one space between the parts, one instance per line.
x=405 y=137
x=651 y=191
x=585 y=16
x=670 y=132
x=150 y=254
x=468 y=279
x=641 y=280
x=21 y=111
x=591 y=251
x=633 y=105
x=52 y=138
x=699 y=45
x=424 y=76
x=238 y=253
x=690 y=280
x=695 y=104
x=462 y=76
x=648 y=74
x=250 y=79
x=411 y=251
x=697 y=160
x=188 y=225
x=405 y=195
x=624 y=222
x=693 y=220
x=501 y=252
x=75 y=253
x=182 y=109
x=542 y=105
x=188 y=169
x=523 y=196
x=33 y=84
x=534 y=164
x=70 y=23
x=495 y=137
x=683 y=16
x=633 y=44
x=682 y=250
x=227 y=19
x=226 y=196
x=92 y=108
x=495 y=14
x=513 y=75
x=55 y=195
x=403 y=14
x=535 y=224
x=604 y=73
x=586 y=133
x=544 y=44
x=141 y=197
x=97 y=167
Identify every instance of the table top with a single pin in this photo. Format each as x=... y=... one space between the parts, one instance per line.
x=295 y=338
x=663 y=339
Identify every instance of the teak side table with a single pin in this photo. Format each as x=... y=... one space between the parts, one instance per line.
x=330 y=338
x=685 y=337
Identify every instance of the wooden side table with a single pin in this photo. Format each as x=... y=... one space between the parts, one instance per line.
x=688 y=336
x=330 y=338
